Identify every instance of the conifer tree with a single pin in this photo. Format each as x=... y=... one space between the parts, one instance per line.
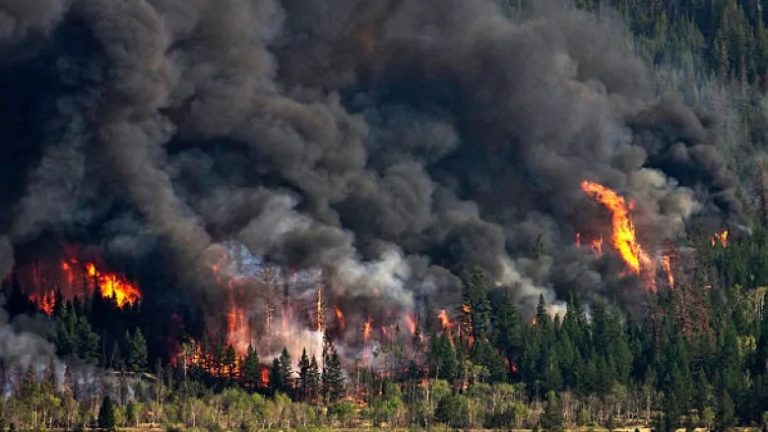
x=333 y=375
x=476 y=296
x=107 y=415
x=304 y=366
x=136 y=355
x=251 y=370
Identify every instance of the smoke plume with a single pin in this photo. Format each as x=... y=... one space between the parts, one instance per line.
x=389 y=146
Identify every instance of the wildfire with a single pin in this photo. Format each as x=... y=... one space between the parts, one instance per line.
x=623 y=230
x=410 y=321
x=320 y=309
x=720 y=238
x=116 y=286
x=342 y=322
x=238 y=331
x=45 y=303
x=72 y=278
x=597 y=246
x=367 y=327
x=666 y=264
x=445 y=322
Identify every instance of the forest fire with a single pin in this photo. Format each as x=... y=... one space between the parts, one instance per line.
x=410 y=321
x=666 y=264
x=70 y=278
x=720 y=238
x=45 y=303
x=445 y=322
x=238 y=331
x=340 y=320
x=367 y=327
x=623 y=230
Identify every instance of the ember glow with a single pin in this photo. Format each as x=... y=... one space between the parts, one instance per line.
x=623 y=235
x=45 y=303
x=116 y=286
x=666 y=264
x=720 y=238
x=74 y=278
x=367 y=327
x=238 y=331
x=445 y=322
x=342 y=323
x=410 y=321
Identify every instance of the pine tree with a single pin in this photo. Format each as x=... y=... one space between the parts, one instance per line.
x=275 y=377
x=87 y=341
x=280 y=373
x=304 y=367
x=230 y=361
x=333 y=375
x=107 y=415
x=552 y=418
x=476 y=296
x=136 y=355
x=443 y=361
x=313 y=380
x=508 y=328
x=251 y=370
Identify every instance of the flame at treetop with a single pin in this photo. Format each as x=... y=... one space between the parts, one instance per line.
x=666 y=264
x=78 y=279
x=623 y=230
x=410 y=321
x=367 y=327
x=720 y=238
x=45 y=302
x=445 y=322
x=342 y=323
x=238 y=330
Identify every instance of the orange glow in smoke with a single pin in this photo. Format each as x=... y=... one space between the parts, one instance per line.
x=342 y=322
x=666 y=264
x=82 y=279
x=445 y=322
x=367 y=327
x=410 y=321
x=118 y=287
x=597 y=246
x=623 y=230
x=45 y=303
x=720 y=238
x=238 y=331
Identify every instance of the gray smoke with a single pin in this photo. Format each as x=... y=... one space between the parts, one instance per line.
x=391 y=145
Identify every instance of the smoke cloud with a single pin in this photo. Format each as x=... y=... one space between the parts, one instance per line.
x=390 y=145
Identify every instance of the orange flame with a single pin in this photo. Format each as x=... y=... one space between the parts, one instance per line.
x=118 y=287
x=623 y=235
x=445 y=322
x=410 y=321
x=367 y=326
x=597 y=246
x=320 y=309
x=238 y=331
x=340 y=320
x=720 y=238
x=666 y=264
x=264 y=375
x=45 y=303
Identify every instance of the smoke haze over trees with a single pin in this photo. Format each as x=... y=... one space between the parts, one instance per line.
x=393 y=188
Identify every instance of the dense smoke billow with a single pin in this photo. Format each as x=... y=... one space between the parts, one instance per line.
x=391 y=145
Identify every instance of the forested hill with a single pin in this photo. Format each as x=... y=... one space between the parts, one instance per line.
x=682 y=345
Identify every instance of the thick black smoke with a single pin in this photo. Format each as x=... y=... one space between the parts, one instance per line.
x=394 y=145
